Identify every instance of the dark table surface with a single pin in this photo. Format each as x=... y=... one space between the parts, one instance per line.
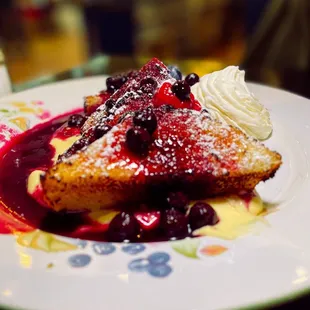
x=289 y=79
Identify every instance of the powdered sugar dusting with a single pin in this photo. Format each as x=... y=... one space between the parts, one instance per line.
x=185 y=143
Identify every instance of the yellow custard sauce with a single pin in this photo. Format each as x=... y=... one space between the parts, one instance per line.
x=236 y=214
x=60 y=146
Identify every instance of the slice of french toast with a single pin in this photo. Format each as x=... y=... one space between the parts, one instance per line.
x=106 y=110
x=137 y=92
x=188 y=152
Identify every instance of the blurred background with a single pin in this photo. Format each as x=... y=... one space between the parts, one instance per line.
x=269 y=38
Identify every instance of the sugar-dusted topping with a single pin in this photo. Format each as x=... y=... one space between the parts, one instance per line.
x=185 y=143
x=96 y=155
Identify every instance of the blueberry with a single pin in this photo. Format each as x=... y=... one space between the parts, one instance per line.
x=139 y=265
x=77 y=146
x=182 y=90
x=159 y=258
x=175 y=72
x=159 y=271
x=138 y=140
x=174 y=224
x=115 y=82
x=192 y=79
x=133 y=249
x=76 y=120
x=202 y=214
x=79 y=260
x=101 y=130
x=148 y=85
x=102 y=248
x=177 y=200
x=109 y=104
x=110 y=88
x=146 y=119
x=124 y=226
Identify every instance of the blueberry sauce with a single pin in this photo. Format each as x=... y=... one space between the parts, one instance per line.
x=25 y=153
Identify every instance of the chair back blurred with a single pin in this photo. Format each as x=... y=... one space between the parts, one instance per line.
x=281 y=39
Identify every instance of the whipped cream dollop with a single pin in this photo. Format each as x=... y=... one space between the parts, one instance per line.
x=227 y=98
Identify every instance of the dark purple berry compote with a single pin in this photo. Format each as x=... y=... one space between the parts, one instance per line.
x=76 y=120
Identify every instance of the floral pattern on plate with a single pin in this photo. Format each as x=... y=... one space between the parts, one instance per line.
x=16 y=117
x=155 y=263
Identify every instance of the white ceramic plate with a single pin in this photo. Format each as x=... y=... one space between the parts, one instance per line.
x=269 y=267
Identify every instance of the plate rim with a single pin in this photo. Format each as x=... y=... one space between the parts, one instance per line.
x=276 y=301
x=268 y=302
x=104 y=76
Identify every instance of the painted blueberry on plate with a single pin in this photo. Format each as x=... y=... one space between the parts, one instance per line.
x=81 y=244
x=133 y=249
x=159 y=270
x=159 y=258
x=102 y=248
x=155 y=265
x=139 y=265
x=79 y=260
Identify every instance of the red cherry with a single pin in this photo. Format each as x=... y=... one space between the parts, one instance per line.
x=165 y=96
x=148 y=220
